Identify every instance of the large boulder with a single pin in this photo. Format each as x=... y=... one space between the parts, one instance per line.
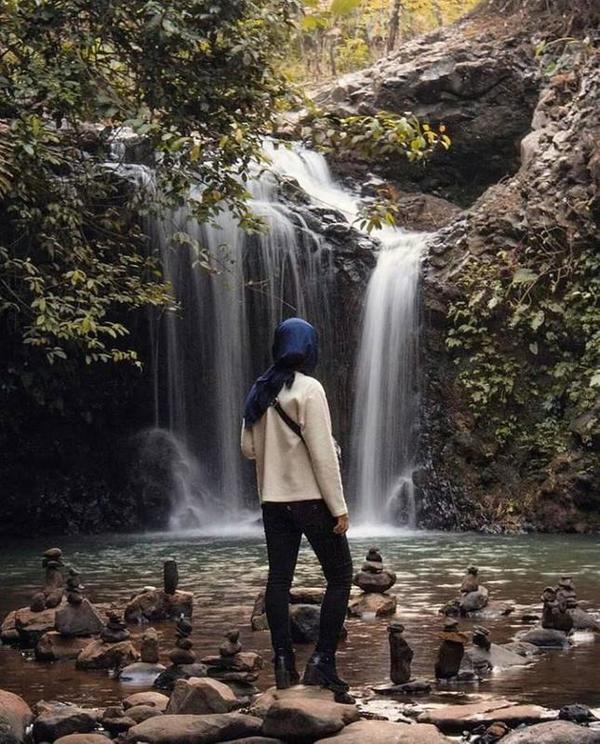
x=59 y=722
x=262 y=703
x=79 y=620
x=52 y=646
x=554 y=732
x=386 y=732
x=100 y=655
x=188 y=729
x=304 y=719
x=156 y=605
x=201 y=695
x=15 y=715
x=546 y=638
x=453 y=719
x=139 y=713
x=31 y=626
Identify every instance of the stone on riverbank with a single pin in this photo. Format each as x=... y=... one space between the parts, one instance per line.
x=199 y=696
x=554 y=732
x=386 y=732
x=83 y=739
x=52 y=646
x=100 y=655
x=188 y=729
x=379 y=605
x=156 y=605
x=15 y=715
x=139 y=713
x=300 y=719
x=262 y=703
x=546 y=638
x=59 y=722
x=79 y=620
x=153 y=699
x=454 y=719
x=31 y=626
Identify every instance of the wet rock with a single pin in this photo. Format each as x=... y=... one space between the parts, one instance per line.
x=189 y=729
x=262 y=703
x=386 y=732
x=201 y=695
x=576 y=713
x=100 y=655
x=304 y=620
x=15 y=716
x=8 y=631
x=555 y=613
x=243 y=667
x=583 y=620
x=373 y=576
x=457 y=718
x=232 y=645
x=79 y=620
x=152 y=699
x=554 y=732
x=149 y=650
x=451 y=651
x=38 y=602
x=401 y=654
x=83 y=739
x=474 y=601
x=166 y=680
x=414 y=687
x=156 y=605
x=31 y=626
x=60 y=722
x=546 y=638
x=141 y=672
x=302 y=719
x=170 y=576
x=115 y=721
x=52 y=646
x=522 y=648
x=378 y=605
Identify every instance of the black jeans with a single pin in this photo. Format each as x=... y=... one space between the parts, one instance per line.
x=284 y=525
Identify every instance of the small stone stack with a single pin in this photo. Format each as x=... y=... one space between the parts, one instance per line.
x=232 y=664
x=74 y=587
x=182 y=653
x=115 y=630
x=401 y=654
x=374 y=579
x=79 y=617
x=54 y=583
x=451 y=651
x=472 y=598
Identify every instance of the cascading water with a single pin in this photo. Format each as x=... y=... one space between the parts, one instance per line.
x=213 y=350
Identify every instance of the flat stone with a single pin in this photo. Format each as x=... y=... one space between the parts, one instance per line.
x=52 y=646
x=375 y=582
x=100 y=655
x=200 y=696
x=457 y=718
x=31 y=626
x=153 y=699
x=60 y=722
x=386 y=732
x=263 y=702
x=15 y=713
x=83 y=739
x=189 y=729
x=141 y=672
x=546 y=638
x=379 y=605
x=414 y=687
x=305 y=718
x=79 y=620
x=555 y=732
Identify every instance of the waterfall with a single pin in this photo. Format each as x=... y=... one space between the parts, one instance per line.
x=210 y=352
x=385 y=416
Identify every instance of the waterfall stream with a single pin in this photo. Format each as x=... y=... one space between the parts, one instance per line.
x=210 y=352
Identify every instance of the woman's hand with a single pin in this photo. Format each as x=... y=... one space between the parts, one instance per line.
x=342 y=524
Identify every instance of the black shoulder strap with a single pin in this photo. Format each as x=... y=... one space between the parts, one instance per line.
x=288 y=419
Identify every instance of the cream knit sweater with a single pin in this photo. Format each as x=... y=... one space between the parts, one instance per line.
x=288 y=469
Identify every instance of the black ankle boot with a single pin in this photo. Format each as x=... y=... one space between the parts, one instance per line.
x=321 y=670
x=284 y=664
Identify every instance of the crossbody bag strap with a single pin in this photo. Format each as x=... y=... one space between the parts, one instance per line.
x=288 y=419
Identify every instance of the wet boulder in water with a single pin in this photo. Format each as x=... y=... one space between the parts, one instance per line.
x=15 y=716
x=100 y=655
x=156 y=605
x=58 y=722
x=577 y=713
x=546 y=638
x=307 y=718
x=200 y=696
x=52 y=646
x=80 y=619
x=474 y=601
x=553 y=732
x=372 y=604
x=153 y=699
x=195 y=729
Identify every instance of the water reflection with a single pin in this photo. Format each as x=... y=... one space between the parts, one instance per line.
x=226 y=573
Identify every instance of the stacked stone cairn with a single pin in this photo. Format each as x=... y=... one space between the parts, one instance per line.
x=374 y=579
x=401 y=654
x=451 y=651
x=473 y=596
x=234 y=666
x=115 y=630
x=183 y=652
x=79 y=617
x=168 y=603
x=555 y=613
x=53 y=590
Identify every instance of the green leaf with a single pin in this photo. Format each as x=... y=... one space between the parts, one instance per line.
x=524 y=276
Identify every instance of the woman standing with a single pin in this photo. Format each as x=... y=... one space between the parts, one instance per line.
x=287 y=431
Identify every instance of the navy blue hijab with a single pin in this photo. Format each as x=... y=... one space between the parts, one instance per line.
x=294 y=350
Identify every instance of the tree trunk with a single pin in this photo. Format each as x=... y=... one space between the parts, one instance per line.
x=394 y=25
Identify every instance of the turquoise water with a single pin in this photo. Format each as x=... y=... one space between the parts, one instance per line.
x=226 y=573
